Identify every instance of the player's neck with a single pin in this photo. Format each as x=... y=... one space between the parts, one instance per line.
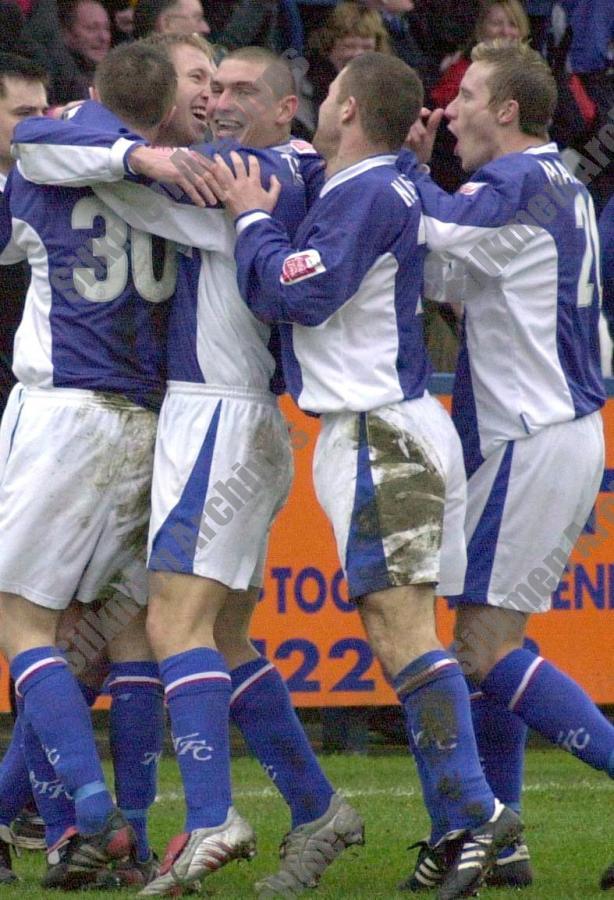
x=349 y=153
x=519 y=142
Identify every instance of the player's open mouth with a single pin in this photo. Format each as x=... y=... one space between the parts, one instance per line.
x=228 y=126
x=200 y=113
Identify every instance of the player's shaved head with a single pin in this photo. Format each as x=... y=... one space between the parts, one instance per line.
x=277 y=72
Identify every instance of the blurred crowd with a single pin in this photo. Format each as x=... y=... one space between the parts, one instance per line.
x=70 y=37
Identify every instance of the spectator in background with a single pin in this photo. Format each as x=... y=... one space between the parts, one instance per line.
x=86 y=30
x=349 y=31
x=174 y=17
x=496 y=19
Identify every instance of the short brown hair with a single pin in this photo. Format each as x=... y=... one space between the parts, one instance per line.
x=278 y=72
x=521 y=74
x=169 y=40
x=388 y=93
x=138 y=83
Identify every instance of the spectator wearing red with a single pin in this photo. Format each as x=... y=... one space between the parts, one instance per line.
x=496 y=19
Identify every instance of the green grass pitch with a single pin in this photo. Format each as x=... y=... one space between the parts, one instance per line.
x=567 y=812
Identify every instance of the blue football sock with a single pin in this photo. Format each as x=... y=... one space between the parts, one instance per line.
x=553 y=704
x=197 y=688
x=501 y=737
x=59 y=716
x=15 y=790
x=434 y=696
x=437 y=815
x=262 y=710
x=53 y=801
x=136 y=736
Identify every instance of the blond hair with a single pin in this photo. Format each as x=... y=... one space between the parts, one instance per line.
x=521 y=74
x=515 y=11
x=166 y=41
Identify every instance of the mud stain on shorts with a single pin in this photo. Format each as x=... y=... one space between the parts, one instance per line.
x=408 y=508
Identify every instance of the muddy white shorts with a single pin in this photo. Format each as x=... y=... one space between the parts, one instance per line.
x=75 y=480
x=223 y=469
x=526 y=506
x=392 y=483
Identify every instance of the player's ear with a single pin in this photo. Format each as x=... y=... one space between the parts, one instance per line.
x=287 y=108
x=508 y=112
x=349 y=109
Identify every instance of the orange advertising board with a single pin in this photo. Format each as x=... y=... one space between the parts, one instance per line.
x=306 y=626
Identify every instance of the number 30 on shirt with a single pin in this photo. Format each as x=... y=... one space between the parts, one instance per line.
x=122 y=250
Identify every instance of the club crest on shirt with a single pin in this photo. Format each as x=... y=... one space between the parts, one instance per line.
x=300 y=266
x=302 y=146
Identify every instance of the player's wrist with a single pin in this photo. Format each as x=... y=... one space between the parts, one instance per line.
x=245 y=219
x=134 y=158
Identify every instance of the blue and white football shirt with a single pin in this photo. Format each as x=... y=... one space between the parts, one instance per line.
x=96 y=313
x=525 y=230
x=347 y=290
x=213 y=337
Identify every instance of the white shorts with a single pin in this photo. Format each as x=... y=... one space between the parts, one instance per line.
x=223 y=469
x=75 y=478
x=392 y=483
x=526 y=506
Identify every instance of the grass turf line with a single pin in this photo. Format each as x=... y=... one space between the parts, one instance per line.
x=567 y=814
